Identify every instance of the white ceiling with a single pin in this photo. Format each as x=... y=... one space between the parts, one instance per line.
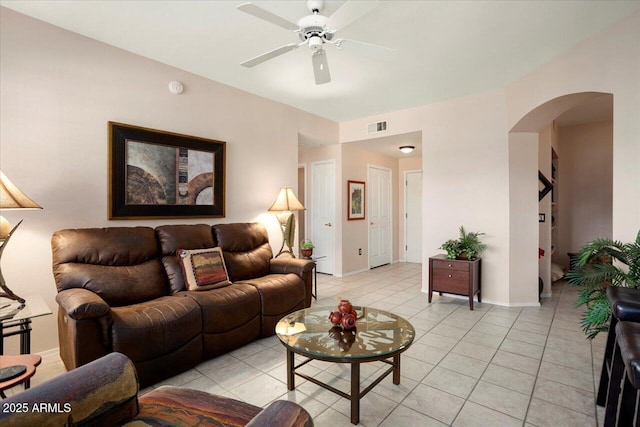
x=444 y=49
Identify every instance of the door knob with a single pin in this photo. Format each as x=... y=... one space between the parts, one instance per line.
x=328 y=224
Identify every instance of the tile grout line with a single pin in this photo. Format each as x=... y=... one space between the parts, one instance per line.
x=546 y=339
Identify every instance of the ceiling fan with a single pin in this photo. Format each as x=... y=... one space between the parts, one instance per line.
x=316 y=30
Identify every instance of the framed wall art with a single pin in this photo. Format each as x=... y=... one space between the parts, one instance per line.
x=158 y=174
x=355 y=200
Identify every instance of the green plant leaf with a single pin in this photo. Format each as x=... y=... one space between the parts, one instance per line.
x=602 y=263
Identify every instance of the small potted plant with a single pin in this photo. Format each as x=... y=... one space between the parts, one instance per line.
x=306 y=248
x=467 y=246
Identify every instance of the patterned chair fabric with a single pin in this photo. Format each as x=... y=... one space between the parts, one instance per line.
x=105 y=393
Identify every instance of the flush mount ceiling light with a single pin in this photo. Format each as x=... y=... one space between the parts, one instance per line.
x=407 y=148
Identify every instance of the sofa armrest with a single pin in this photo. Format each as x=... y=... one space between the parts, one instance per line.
x=102 y=392
x=291 y=265
x=82 y=304
x=282 y=413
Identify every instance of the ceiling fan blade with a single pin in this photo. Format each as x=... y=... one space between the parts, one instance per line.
x=372 y=51
x=320 y=67
x=265 y=15
x=349 y=12
x=269 y=55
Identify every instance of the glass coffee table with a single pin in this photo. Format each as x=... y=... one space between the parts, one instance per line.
x=379 y=336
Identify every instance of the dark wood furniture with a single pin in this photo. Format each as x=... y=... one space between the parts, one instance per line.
x=314 y=292
x=379 y=336
x=455 y=276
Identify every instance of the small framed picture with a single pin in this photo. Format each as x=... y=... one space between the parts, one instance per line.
x=355 y=200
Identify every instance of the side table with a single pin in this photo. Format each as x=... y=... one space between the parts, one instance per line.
x=454 y=276
x=15 y=319
x=30 y=361
x=314 y=293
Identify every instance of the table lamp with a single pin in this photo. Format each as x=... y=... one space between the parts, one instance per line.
x=10 y=198
x=285 y=204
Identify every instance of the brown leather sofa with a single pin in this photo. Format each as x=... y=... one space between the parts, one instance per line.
x=122 y=289
x=105 y=393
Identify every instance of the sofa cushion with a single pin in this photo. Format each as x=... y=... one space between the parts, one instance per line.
x=174 y=237
x=246 y=249
x=147 y=330
x=230 y=317
x=121 y=264
x=203 y=269
x=173 y=406
x=280 y=294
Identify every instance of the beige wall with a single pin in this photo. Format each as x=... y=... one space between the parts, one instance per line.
x=465 y=170
x=58 y=92
x=352 y=164
x=522 y=287
x=607 y=63
x=585 y=185
x=355 y=233
x=472 y=170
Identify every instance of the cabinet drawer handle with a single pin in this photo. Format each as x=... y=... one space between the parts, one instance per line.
x=449 y=275
x=449 y=265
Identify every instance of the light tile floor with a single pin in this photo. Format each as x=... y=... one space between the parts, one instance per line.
x=494 y=366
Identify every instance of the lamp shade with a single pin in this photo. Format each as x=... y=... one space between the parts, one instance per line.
x=286 y=201
x=12 y=198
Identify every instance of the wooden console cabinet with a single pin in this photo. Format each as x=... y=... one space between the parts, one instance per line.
x=454 y=276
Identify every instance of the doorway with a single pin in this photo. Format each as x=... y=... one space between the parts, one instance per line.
x=323 y=182
x=380 y=221
x=580 y=126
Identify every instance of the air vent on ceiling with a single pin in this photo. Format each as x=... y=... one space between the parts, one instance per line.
x=377 y=127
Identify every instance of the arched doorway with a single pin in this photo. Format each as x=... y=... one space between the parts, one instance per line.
x=579 y=128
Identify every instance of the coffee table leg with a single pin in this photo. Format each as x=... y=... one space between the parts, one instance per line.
x=396 y=369
x=355 y=393
x=291 y=382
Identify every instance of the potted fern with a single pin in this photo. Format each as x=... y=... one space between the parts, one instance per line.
x=602 y=263
x=467 y=246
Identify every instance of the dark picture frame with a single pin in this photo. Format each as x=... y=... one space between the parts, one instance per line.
x=160 y=174
x=356 y=200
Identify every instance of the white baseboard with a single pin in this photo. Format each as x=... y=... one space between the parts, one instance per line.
x=351 y=273
x=51 y=353
x=484 y=300
x=519 y=304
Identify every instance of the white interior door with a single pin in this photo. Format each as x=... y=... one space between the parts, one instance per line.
x=379 y=216
x=323 y=215
x=413 y=216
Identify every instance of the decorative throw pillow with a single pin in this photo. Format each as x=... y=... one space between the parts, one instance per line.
x=203 y=268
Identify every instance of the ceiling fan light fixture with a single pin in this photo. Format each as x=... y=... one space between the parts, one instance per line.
x=315 y=43
x=406 y=149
